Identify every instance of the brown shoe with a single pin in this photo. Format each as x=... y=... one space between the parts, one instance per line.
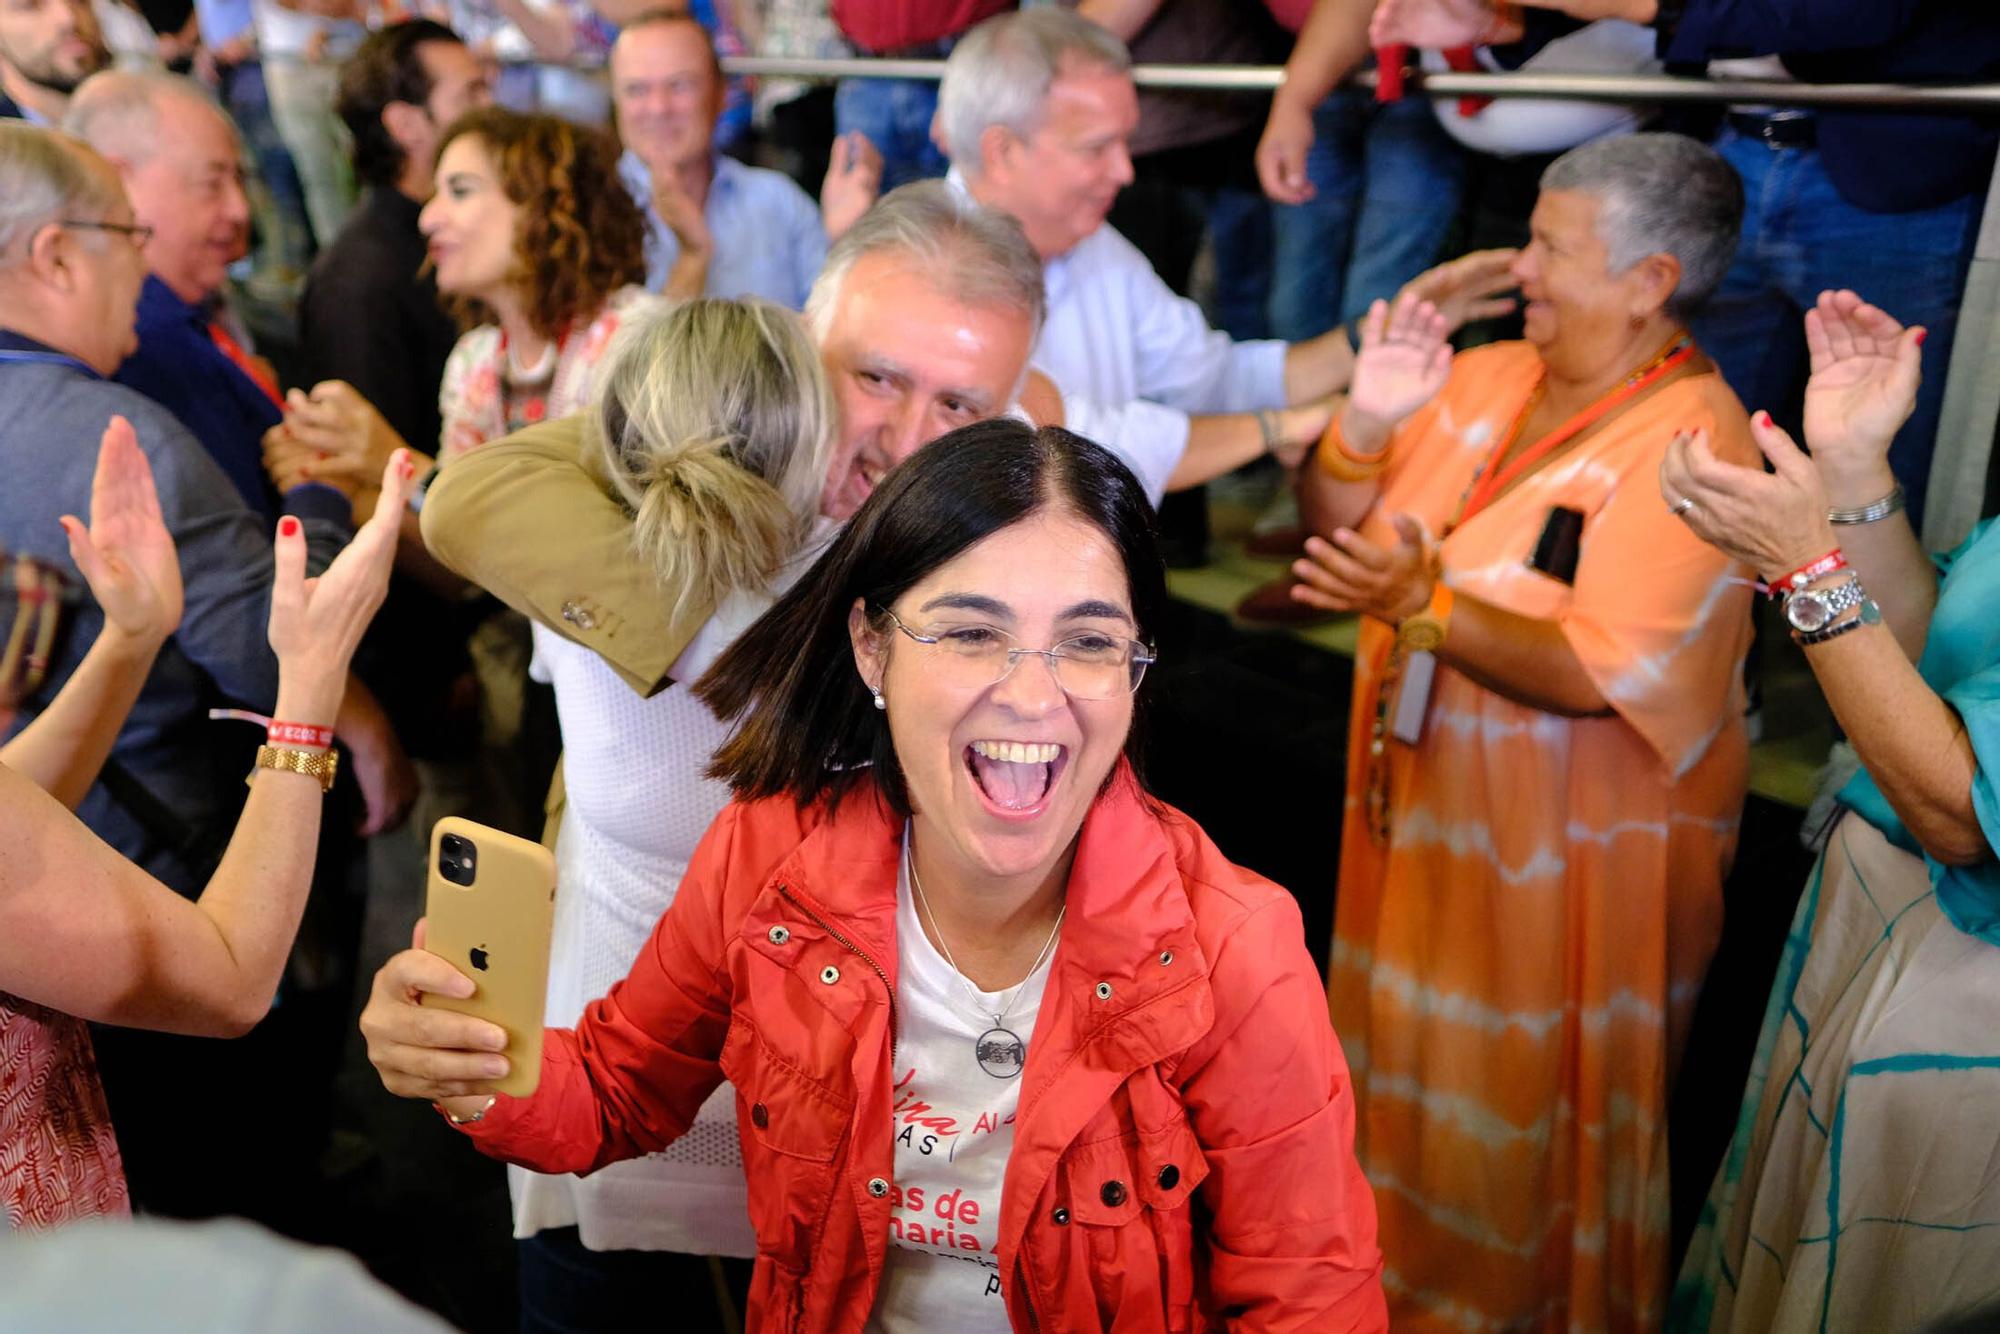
x=1273 y=604
x=1277 y=544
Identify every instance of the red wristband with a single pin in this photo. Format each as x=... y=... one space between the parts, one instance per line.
x=1805 y=574
x=300 y=734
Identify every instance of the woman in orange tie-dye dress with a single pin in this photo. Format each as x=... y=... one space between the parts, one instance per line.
x=1534 y=846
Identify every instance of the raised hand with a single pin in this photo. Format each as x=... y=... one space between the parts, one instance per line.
x=1439 y=25
x=1773 y=521
x=1865 y=371
x=1471 y=287
x=126 y=554
x=853 y=180
x=316 y=623
x=1402 y=362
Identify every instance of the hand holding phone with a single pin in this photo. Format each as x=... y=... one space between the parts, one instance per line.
x=490 y=909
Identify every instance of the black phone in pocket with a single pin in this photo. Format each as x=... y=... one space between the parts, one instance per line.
x=1559 y=546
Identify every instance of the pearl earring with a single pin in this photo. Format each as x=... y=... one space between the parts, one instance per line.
x=880 y=703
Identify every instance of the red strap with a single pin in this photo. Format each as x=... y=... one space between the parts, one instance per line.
x=246 y=363
x=1462 y=61
x=1389 y=61
x=1494 y=479
x=1811 y=570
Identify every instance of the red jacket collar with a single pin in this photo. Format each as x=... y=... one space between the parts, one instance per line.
x=1126 y=896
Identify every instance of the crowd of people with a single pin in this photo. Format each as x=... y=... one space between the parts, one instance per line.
x=766 y=500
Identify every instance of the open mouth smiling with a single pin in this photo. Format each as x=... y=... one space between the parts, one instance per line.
x=1016 y=778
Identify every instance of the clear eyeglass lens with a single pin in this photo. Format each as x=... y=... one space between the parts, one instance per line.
x=1085 y=666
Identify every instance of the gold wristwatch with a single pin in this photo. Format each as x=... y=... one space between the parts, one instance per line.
x=320 y=764
x=1425 y=631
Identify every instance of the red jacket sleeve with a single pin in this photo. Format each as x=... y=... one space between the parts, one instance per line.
x=1292 y=1243
x=630 y=1077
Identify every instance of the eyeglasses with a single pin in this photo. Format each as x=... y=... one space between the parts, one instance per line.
x=137 y=233
x=1086 y=666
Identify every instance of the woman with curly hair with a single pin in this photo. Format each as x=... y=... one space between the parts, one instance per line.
x=539 y=247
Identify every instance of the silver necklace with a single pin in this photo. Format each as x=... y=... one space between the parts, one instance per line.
x=1000 y=1050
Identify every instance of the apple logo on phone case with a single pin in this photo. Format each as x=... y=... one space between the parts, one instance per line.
x=478 y=956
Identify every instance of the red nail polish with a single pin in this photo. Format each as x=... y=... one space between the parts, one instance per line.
x=288 y=527
x=1922 y=334
x=407 y=469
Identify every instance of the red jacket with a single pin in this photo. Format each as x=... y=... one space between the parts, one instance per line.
x=1182 y=1051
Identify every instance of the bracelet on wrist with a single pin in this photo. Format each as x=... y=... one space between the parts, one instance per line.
x=320 y=765
x=1267 y=424
x=1805 y=574
x=1870 y=513
x=1339 y=461
x=472 y=1120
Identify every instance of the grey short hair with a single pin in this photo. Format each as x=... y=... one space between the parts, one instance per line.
x=1000 y=73
x=713 y=421
x=46 y=176
x=1659 y=194
x=974 y=254
x=117 y=112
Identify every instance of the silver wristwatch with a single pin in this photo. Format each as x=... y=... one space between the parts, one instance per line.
x=1812 y=609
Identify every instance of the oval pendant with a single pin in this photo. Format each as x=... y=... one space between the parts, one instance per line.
x=1001 y=1054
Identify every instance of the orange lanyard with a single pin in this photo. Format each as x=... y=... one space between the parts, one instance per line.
x=1491 y=479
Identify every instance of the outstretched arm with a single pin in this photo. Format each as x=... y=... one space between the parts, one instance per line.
x=84 y=931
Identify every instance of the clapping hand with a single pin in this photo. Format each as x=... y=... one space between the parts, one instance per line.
x=1350 y=573
x=126 y=554
x=1774 y=522
x=1865 y=371
x=1402 y=362
x=1439 y=25
x=853 y=180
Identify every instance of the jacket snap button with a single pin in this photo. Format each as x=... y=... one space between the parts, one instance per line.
x=578 y=615
x=1170 y=1176
x=760 y=1116
x=1113 y=1194
x=779 y=935
x=1166 y=957
x=1104 y=991
x=829 y=975
x=1061 y=1216
x=877 y=1187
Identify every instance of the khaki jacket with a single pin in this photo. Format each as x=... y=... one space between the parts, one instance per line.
x=522 y=518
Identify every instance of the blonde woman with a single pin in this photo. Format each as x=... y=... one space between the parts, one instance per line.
x=713 y=423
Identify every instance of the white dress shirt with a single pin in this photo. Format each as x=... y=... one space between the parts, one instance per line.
x=1134 y=360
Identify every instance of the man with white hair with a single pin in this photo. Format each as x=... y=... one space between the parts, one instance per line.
x=179 y=160
x=1034 y=112
x=47 y=48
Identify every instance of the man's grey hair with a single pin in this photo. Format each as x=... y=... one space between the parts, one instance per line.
x=975 y=255
x=45 y=177
x=1659 y=194
x=117 y=112
x=1000 y=73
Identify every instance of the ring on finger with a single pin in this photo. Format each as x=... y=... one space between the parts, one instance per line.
x=1682 y=506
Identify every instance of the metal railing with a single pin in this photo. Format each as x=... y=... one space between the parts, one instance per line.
x=1971 y=410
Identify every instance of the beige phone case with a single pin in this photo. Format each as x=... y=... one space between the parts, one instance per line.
x=496 y=931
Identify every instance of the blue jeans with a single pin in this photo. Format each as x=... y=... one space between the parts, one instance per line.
x=895 y=114
x=1388 y=182
x=1801 y=238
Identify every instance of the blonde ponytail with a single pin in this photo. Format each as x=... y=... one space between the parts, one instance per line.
x=713 y=423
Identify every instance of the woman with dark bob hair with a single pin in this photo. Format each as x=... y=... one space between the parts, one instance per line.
x=962 y=1106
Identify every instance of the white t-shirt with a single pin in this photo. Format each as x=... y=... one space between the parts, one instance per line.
x=953 y=1128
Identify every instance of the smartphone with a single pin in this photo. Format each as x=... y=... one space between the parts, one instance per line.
x=490 y=907
x=1560 y=545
